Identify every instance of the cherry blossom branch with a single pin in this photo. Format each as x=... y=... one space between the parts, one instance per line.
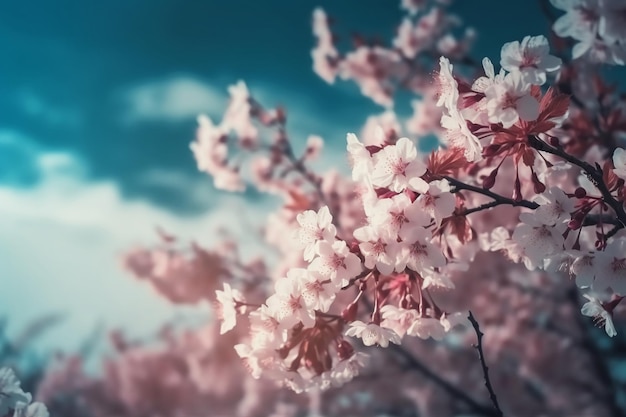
x=498 y=199
x=298 y=166
x=613 y=231
x=595 y=174
x=452 y=390
x=447 y=386
x=481 y=356
x=590 y=220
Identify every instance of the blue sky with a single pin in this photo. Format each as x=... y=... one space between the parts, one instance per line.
x=97 y=108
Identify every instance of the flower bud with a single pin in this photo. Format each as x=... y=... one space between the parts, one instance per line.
x=490 y=180
x=538 y=186
x=580 y=193
x=349 y=313
x=554 y=141
x=344 y=350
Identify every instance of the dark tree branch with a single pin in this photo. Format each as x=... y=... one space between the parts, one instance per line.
x=481 y=356
x=458 y=185
x=595 y=175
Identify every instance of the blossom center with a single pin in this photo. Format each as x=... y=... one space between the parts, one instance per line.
x=618 y=265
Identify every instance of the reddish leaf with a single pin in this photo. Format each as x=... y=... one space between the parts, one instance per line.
x=553 y=105
x=447 y=161
x=297 y=202
x=608 y=176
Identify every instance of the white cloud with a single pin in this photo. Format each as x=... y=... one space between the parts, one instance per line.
x=60 y=244
x=198 y=190
x=173 y=99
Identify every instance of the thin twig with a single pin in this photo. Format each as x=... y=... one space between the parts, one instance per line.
x=594 y=173
x=415 y=364
x=483 y=364
x=455 y=392
x=458 y=185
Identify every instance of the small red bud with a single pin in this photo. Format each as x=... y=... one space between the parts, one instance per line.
x=580 y=193
x=344 y=350
x=554 y=141
x=538 y=186
x=349 y=313
x=575 y=224
x=490 y=180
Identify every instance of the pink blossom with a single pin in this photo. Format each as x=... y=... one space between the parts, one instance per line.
x=619 y=162
x=315 y=227
x=336 y=262
x=531 y=57
x=510 y=100
x=379 y=247
x=398 y=167
x=373 y=334
x=610 y=268
x=228 y=300
x=593 y=308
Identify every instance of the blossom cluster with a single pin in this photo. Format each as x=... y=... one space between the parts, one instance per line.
x=14 y=401
x=410 y=237
x=517 y=215
x=597 y=27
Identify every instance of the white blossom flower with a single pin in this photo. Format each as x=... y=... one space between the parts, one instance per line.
x=583 y=267
x=619 y=162
x=610 y=268
x=360 y=159
x=398 y=213
x=537 y=239
x=35 y=409
x=373 y=334
x=318 y=291
x=498 y=239
x=510 y=100
x=228 y=306
x=581 y=19
x=398 y=319
x=447 y=87
x=426 y=327
x=555 y=206
x=288 y=304
x=345 y=370
x=257 y=360
x=314 y=227
x=458 y=135
x=531 y=58
x=450 y=321
x=336 y=262
x=379 y=247
x=483 y=83
x=418 y=254
x=593 y=308
x=439 y=202
x=398 y=167
x=265 y=330
x=11 y=395
x=237 y=115
x=440 y=279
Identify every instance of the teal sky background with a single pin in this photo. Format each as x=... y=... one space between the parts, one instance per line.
x=97 y=107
